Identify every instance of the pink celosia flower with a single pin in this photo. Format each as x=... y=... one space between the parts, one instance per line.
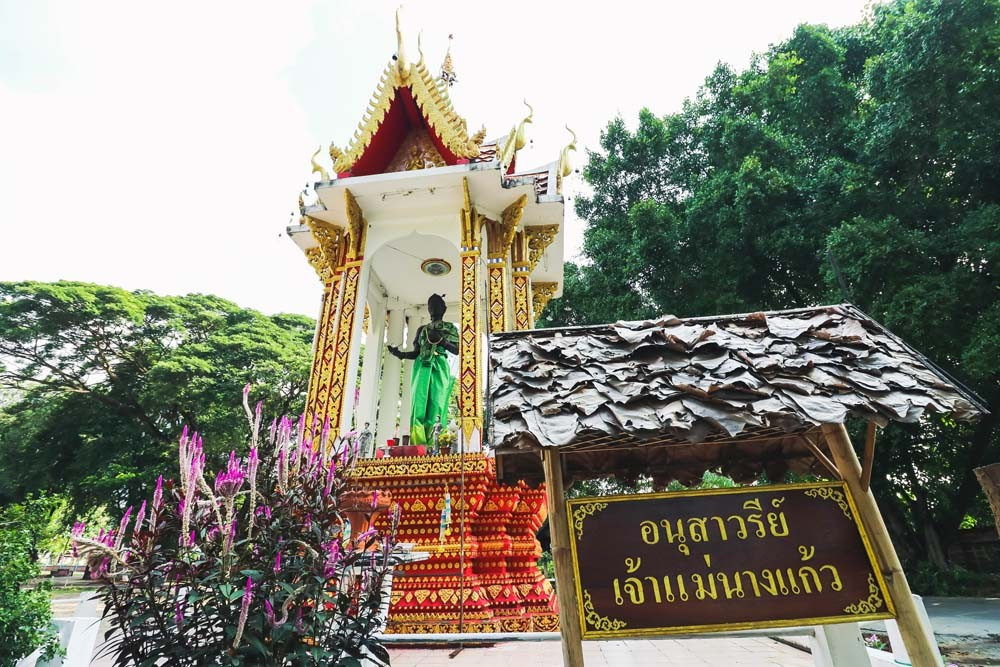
x=244 y=610
x=228 y=482
x=139 y=517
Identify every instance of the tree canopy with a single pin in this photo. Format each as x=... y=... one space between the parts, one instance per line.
x=101 y=381
x=860 y=164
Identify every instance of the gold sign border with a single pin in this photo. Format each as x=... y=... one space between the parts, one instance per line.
x=717 y=627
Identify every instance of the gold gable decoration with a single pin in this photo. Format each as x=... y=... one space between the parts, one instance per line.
x=431 y=96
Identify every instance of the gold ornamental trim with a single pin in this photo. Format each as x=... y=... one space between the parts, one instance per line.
x=582 y=512
x=870 y=605
x=590 y=616
x=498 y=299
x=828 y=493
x=878 y=605
x=540 y=237
x=419 y=466
x=541 y=294
x=521 y=287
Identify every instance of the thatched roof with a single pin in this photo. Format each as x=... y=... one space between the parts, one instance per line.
x=609 y=395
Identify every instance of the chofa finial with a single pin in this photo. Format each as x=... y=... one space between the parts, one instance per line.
x=401 y=62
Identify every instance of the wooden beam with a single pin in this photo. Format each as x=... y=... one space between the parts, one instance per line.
x=569 y=609
x=916 y=634
x=866 y=467
x=821 y=457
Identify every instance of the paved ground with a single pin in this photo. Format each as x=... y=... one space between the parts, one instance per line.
x=960 y=616
x=632 y=653
x=968 y=630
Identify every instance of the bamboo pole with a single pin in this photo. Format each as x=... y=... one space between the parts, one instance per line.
x=916 y=634
x=569 y=610
x=869 y=462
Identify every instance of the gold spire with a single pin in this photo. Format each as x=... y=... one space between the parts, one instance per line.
x=448 y=66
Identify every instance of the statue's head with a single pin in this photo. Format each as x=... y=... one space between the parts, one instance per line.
x=436 y=306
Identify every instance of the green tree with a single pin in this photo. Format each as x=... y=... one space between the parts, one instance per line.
x=108 y=377
x=872 y=148
x=25 y=614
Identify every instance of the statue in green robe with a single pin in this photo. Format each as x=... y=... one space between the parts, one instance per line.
x=431 y=382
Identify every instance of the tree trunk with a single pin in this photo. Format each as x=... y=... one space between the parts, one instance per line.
x=989 y=479
x=935 y=553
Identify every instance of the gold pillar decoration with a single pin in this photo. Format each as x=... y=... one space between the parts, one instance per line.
x=540 y=295
x=540 y=237
x=470 y=396
x=520 y=281
x=500 y=236
x=344 y=338
x=326 y=259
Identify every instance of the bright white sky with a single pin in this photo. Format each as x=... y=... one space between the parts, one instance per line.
x=162 y=145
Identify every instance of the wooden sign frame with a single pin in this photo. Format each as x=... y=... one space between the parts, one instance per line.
x=578 y=510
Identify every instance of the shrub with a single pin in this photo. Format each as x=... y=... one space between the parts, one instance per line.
x=25 y=612
x=257 y=568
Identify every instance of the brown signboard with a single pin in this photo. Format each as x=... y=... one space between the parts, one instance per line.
x=725 y=559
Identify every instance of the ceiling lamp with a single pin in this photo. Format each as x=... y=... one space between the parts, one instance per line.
x=435 y=267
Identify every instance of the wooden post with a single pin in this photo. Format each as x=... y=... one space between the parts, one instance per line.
x=989 y=479
x=916 y=634
x=562 y=557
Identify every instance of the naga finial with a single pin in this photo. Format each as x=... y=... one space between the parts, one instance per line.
x=318 y=168
x=522 y=138
x=565 y=168
x=420 y=47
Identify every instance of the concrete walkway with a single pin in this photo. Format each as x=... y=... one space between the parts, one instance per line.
x=755 y=652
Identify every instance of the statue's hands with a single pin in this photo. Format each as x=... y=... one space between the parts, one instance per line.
x=393 y=350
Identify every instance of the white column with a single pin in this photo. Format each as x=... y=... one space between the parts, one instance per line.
x=388 y=407
x=371 y=369
x=354 y=354
x=415 y=319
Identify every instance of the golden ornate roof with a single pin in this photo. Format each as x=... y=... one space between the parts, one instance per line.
x=430 y=95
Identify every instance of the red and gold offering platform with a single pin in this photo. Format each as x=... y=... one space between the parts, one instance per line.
x=489 y=576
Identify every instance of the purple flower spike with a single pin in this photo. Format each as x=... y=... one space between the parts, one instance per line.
x=269 y=612
x=158 y=494
x=139 y=517
x=277 y=562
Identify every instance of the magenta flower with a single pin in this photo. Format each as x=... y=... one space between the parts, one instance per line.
x=157 y=498
x=374 y=499
x=269 y=612
x=277 y=562
x=228 y=482
x=244 y=610
x=139 y=517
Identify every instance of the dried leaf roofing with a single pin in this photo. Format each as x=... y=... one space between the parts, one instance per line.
x=734 y=379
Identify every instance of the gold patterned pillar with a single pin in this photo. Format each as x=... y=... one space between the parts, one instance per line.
x=500 y=235
x=521 y=282
x=344 y=338
x=470 y=396
x=327 y=260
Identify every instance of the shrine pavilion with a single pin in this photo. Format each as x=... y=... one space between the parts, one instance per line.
x=417 y=205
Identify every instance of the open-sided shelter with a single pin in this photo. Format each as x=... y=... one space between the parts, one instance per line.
x=745 y=394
